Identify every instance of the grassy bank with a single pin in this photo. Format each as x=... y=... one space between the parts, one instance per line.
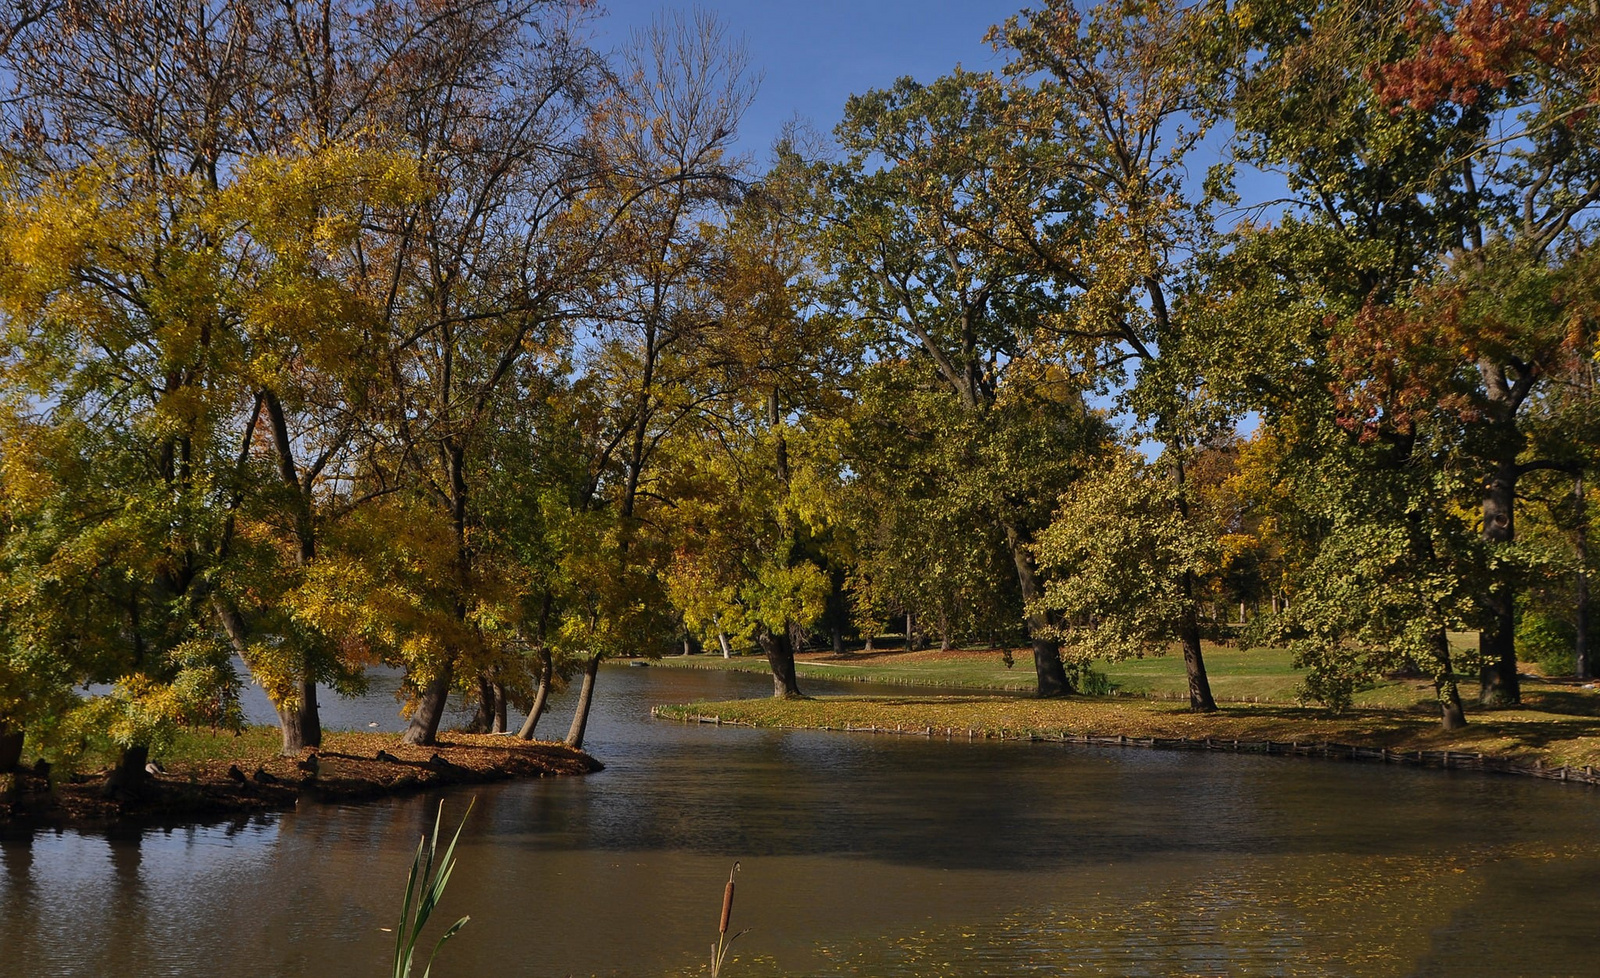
x=214 y=774
x=1523 y=736
x=1237 y=675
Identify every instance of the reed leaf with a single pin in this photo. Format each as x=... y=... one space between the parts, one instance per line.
x=425 y=887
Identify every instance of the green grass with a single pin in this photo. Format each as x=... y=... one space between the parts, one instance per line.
x=1236 y=675
x=988 y=673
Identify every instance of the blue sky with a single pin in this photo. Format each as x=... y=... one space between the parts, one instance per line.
x=813 y=54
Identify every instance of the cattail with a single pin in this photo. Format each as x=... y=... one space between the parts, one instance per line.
x=727 y=901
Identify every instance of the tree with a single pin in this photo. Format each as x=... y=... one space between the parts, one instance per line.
x=1451 y=149
x=1126 y=561
x=930 y=182
x=1112 y=101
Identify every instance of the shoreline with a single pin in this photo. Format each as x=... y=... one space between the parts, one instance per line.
x=1387 y=737
x=350 y=767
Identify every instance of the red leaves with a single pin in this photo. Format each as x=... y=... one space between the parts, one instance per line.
x=1395 y=367
x=1467 y=48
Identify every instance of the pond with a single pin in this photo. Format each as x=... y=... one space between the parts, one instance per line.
x=861 y=855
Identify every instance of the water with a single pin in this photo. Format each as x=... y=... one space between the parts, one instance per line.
x=861 y=855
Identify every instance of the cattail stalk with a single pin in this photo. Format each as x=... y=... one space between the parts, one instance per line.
x=727 y=902
x=719 y=950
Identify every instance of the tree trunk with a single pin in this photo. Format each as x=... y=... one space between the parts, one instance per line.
x=128 y=778
x=483 y=717
x=780 y=658
x=580 y=717
x=1580 y=649
x=10 y=748
x=298 y=722
x=423 y=729
x=1194 y=664
x=838 y=613
x=1452 y=716
x=310 y=714
x=301 y=724
x=911 y=642
x=546 y=670
x=1497 y=644
x=499 y=709
x=1049 y=674
x=722 y=639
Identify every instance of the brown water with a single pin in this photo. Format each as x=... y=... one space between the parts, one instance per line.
x=862 y=855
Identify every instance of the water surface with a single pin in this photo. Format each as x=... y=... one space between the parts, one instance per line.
x=861 y=854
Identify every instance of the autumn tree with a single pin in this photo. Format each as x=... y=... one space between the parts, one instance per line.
x=1449 y=150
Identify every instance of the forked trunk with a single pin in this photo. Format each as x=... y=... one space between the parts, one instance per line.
x=546 y=670
x=580 y=718
x=423 y=729
x=780 y=659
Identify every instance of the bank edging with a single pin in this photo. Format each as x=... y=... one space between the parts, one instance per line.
x=1441 y=759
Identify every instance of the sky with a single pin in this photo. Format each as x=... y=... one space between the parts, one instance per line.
x=814 y=54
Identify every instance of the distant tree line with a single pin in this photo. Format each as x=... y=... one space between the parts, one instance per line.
x=342 y=332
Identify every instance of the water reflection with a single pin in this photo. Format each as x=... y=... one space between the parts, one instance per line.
x=862 y=855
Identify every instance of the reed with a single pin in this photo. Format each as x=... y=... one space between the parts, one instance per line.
x=424 y=887
x=719 y=950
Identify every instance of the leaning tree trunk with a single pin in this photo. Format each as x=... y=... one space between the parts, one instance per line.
x=1049 y=673
x=1497 y=644
x=580 y=717
x=540 y=698
x=423 y=729
x=298 y=721
x=780 y=658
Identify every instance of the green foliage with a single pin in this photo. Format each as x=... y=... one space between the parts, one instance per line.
x=1120 y=549
x=1548 y=640
x=424 y=887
